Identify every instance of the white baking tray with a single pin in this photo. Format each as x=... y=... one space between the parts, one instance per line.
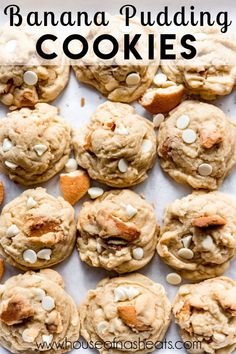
x=159 y=189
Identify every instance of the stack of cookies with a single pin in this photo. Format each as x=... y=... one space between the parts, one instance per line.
x=117 y=229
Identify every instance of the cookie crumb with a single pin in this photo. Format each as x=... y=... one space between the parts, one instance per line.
x=82 y=102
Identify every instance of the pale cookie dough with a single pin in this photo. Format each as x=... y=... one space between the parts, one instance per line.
x=206 y=315
x=212 y=71
x=117 y=147
x=37 y=230
x=198 y=237
x=119 y=80
x=35 y=312
x=130 y=309
x=25 y=79
x=117 y=231
x=197 y=145
x=34 y=144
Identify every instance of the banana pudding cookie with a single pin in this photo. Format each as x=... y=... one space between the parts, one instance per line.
x=36 y=312
x=206 y=315
x=117 y=147
x=198 y=237
x=212 y=71
x=34 y=144
x=197 y=145
x=125 y=312
x=37 y=230
x=117 y=231
x=25 y=79
x=118 y=79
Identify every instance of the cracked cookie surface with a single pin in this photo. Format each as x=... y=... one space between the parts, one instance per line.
x=118 y=231
x=197 y=145
x=206 y=313
x=37 y=230
x=117 y=147
x=34 y=144
x=198 y=237
x=36 y=310
x=131 y=308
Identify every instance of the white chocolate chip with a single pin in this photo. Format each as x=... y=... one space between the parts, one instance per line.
x=146 y=146
x=133 y=79
x=121 y=130
x=138 y=253
x=185 y=253
x=7 y=145
x=173 y=278
x=205 y=169
x=12 y=231
x=99 y=247
x=131 y=292
x=29 y=334
x=95 y=192
x=30 y=256
x=47 y=339
x=186 y=241
x=11 y=165
x=159 y=79
x=131 y=211
x=40 y=149
x=189 y=136
x=30 y=78
x=219 y=337
x=208 y=243
x=71 y=165
x=182 y=122
x=123 y=293
x=158 y=119
x=45 y=253
x=31 y=203
x=10 y=46
x=122 y=165
x=48 y=303
x=102 y=327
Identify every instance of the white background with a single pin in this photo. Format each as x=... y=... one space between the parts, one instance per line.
x=158 y=188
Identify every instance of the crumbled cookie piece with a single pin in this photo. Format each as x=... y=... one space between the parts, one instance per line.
x=74 y=185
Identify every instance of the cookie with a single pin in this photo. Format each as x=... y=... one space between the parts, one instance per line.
x=118 y=79
x=117 y=231
x=198 y=237
x=35 y=312
x=131 y=309
x=197 y=145
x=205 y=313
x=117 y=147
x=212 y=72
x=34 y=144
x=37 y=230
x=25 y=79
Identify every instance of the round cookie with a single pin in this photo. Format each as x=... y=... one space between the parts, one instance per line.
x=197 y=145
x=25 y=78
x=198 y=237
x=118 y=79
x=205 y=313
x=212 y=71
x=117 y=147
x=123 y=311
x=34 y=144
x=35 y=312
x=117 y=231
x=37 y=230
